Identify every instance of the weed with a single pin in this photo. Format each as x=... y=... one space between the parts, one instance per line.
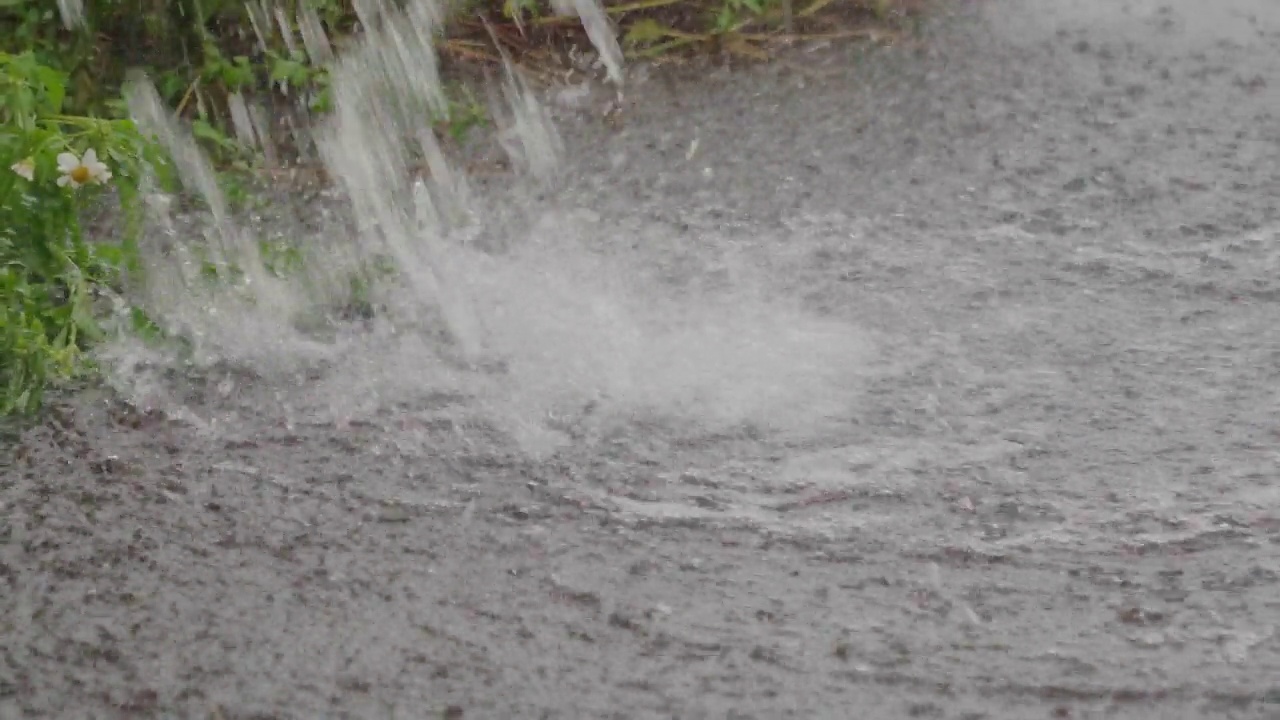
x=51 y=165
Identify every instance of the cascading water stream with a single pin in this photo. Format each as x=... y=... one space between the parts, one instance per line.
x=568 y=328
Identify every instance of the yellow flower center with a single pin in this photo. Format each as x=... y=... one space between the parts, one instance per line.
x=80 y=174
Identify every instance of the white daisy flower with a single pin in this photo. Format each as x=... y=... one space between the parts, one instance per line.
x=78 y=171
x=25 y=168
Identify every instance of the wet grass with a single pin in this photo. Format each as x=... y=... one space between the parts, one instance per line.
x=679 y=30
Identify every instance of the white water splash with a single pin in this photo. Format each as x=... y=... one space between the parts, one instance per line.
x=568 y=328
x=72 y=12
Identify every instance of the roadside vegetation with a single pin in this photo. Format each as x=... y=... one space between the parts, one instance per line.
x=66 y=142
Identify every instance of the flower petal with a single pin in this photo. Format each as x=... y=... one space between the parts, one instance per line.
x=25 y=169
x=90 y=157
x=63 y=180
x=67 y=162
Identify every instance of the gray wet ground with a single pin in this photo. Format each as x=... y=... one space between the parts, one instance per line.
x=1053 y=224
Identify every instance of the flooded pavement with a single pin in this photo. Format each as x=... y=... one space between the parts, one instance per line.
x=1051 y=232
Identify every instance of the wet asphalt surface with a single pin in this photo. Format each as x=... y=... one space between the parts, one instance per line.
x=1054 y=224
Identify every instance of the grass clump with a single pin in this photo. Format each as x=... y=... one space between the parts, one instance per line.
x=52 y=164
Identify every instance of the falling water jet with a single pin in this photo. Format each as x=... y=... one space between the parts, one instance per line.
x=569 y=329
x=249 y=318
x=596 y=24
x=385 y=92
x=72 y=12
x=527 y=136
x=234 y=245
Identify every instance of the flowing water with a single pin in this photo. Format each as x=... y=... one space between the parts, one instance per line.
x=931 y=381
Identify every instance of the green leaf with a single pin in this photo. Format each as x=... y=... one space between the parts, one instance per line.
x=643 y=32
